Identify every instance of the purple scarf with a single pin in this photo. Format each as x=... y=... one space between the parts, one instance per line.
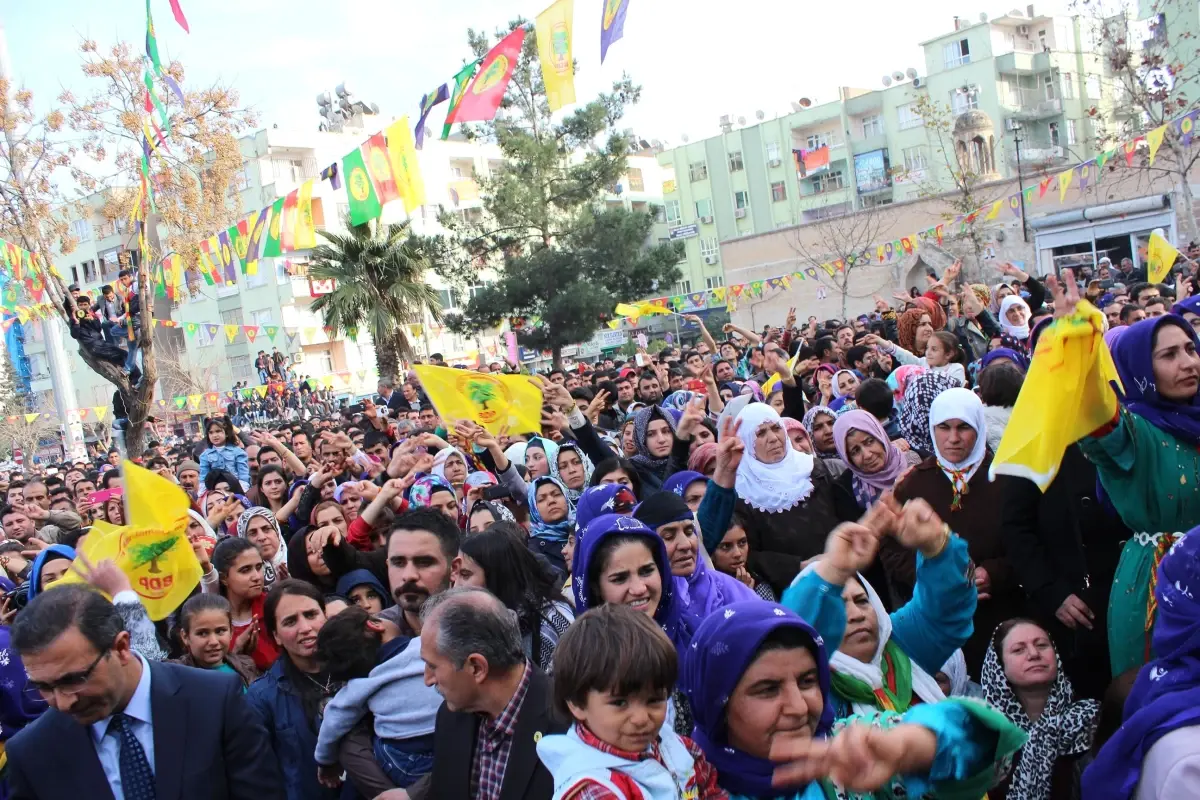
x=868 y=487
x=1133 y=356
x=724 y=647
x=1166 y=695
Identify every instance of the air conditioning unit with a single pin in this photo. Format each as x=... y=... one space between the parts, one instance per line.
x=1023 y=30
x=710 y=259
x=706 y=220
x=739 y=213
x=774 y=162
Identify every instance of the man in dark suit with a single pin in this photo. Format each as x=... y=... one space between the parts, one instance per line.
x=389 y=397
x=122 y=728
x=497 y=705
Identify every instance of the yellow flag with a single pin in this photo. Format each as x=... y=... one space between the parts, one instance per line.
x=261 y=391
x=100 y=411
x=1160 y=257
x=1155 y=139
x=995 y=210
x=627 y=310
x=1066 y=396
x=1064 y=181
x=194 y=401
x=231 y=332
x=772 y=384
x=651 y=308
x=31 y=417
x=554 y=50
x=406 y=169
x=304 y=234
x=153 y=549
x=493 y=401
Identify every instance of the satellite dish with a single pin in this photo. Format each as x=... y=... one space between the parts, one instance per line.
x=684 y=138
x=341 y=90
x=898 y=76
x=887 y=80
x=374 y=108
x=741 y=120
x=805 y=102
x=911 y=73
x=983 y=16
x=796 y=107
x=760 y=115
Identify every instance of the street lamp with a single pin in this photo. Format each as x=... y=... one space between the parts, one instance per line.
x=1015 y=127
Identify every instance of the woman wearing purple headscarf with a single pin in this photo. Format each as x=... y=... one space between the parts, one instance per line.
x=875 y=464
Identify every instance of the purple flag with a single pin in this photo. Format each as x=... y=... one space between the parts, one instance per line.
x=612 y=24
x=439 y=95
x=227 y=257
x=331 y=174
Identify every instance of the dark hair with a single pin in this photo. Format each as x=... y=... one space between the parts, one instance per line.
x=1112 y=707
x=612 y=648
x=610 y=465
x=107 y=478
x=1000 y=384
x=289 y=586
x=346 y=647
x=1138 y=288
x=12 y=546
x=53 y=612
x=266 y=448
x=823 y=346
x=856 y=354
x=1127 y=311
x=1005 y=628
x=216 y=476
x=786 y=638
x=427 y=520
x=226 y=552
x=6 y=510
x=270 y=469
x=466 y=627
x=221 y=422
x=513 y=573
x=950 y=342
x=599 y=560
x=875 y=397
x=198 y=604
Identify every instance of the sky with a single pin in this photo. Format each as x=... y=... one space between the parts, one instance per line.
x=694 y=60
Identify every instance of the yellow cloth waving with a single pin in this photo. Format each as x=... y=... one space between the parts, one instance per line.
x=492 y=401
x=1065 y=397
x=153 y=549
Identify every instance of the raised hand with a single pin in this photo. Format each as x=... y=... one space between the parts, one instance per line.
x=920 y=528
x=693 y=415
x=729 y=454
x=1066 y=293
x=849 y=549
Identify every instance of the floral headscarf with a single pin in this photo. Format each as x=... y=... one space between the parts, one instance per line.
x=421 y=493
x=276 y=568
x=919 y=395
x=641 y=427
x=703 y=458
x=810 y=419
x=588 y=469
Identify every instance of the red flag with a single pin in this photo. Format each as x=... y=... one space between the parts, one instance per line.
x=482 y=98
x=289 y=219
x=179 y=17
x=379 y=167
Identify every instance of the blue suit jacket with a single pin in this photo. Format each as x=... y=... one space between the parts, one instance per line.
x=208 y=745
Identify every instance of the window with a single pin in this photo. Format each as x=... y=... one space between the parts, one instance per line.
x=674 y=218
x=82 y=230
x=698 y=171
x=964 y=99
x=683 y=287
x=449 y=298
x=1054 y=141
x=323 y=361
x=1093 y=87
x=715 y=282
x=772 y=151
x=1048 y=87
x=957 y=53
x=239 y=366
x=710 y=247
x=827 y=182
x=261 y=317
x=778 y=192
x=1093 y=128
x=735 y=161
x=1071 y=133
x=908 y=116
x=818 y=140
x=205 y=338
x=914 y=158
x=741 y=200
x=704 y=208
x=1068 y=86
x=288 y=170
x=89 y=271
x=634 y=176
x=873 y=200
x=872 y=125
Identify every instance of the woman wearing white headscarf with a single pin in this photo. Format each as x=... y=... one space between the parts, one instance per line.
x=954 y=481
x=1014 y=321
x=785 y=496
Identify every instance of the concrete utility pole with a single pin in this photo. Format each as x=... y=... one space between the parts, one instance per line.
x=54 y=335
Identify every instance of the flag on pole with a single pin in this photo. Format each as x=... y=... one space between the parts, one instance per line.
x=406 y=169
x=612 y=24
x=379 y=167
x=228 y=259
x=272 y=247
x=1160 y=257
x=460 y=87
x=554 y=50
x=179 y=17
x=428 y=101
x=304 y=233
x=364 y=203
x=288 y=227
x=491 y=400
x=482 y=98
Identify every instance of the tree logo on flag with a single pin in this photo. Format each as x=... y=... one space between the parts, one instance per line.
x=359 y=184
x=380 y=166
x=276 y=219
x=491 y=76
x=560 y=47
x=489 y=396
x=611 y=7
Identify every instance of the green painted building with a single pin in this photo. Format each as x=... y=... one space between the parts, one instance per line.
x=1033 y=77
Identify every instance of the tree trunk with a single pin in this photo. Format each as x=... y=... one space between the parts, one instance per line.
x=387 y=358
x=842 y=287
x=556 y=352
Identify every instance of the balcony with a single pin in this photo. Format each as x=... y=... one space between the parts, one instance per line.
x=1030 y=104
x=829 y=197
x=868 y=144
x=1036 y=153
x=1015 y=63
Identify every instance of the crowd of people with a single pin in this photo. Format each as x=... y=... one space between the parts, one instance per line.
x=767 y=565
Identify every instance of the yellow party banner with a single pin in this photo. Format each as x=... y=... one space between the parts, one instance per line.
x=495 y=402
x=153 y=549
x=1160 y=256
x=554 y=51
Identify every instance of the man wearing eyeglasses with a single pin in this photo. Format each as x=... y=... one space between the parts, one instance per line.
x=124 y=728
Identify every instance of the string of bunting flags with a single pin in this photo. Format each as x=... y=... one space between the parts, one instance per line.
x=212 y=401
x=1081 y=176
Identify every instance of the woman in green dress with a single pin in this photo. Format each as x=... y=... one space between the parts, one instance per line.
x=1148 y=461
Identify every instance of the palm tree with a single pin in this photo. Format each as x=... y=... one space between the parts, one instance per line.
x=379 y=275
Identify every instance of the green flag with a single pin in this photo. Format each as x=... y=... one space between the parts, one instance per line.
x=364 y=203
x=272 y=249
x=237 y=247
x=460 y=86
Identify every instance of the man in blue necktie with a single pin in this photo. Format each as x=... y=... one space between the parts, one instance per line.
x=122 y=727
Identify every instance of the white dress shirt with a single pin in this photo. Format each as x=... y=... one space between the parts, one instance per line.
x=108 y=748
